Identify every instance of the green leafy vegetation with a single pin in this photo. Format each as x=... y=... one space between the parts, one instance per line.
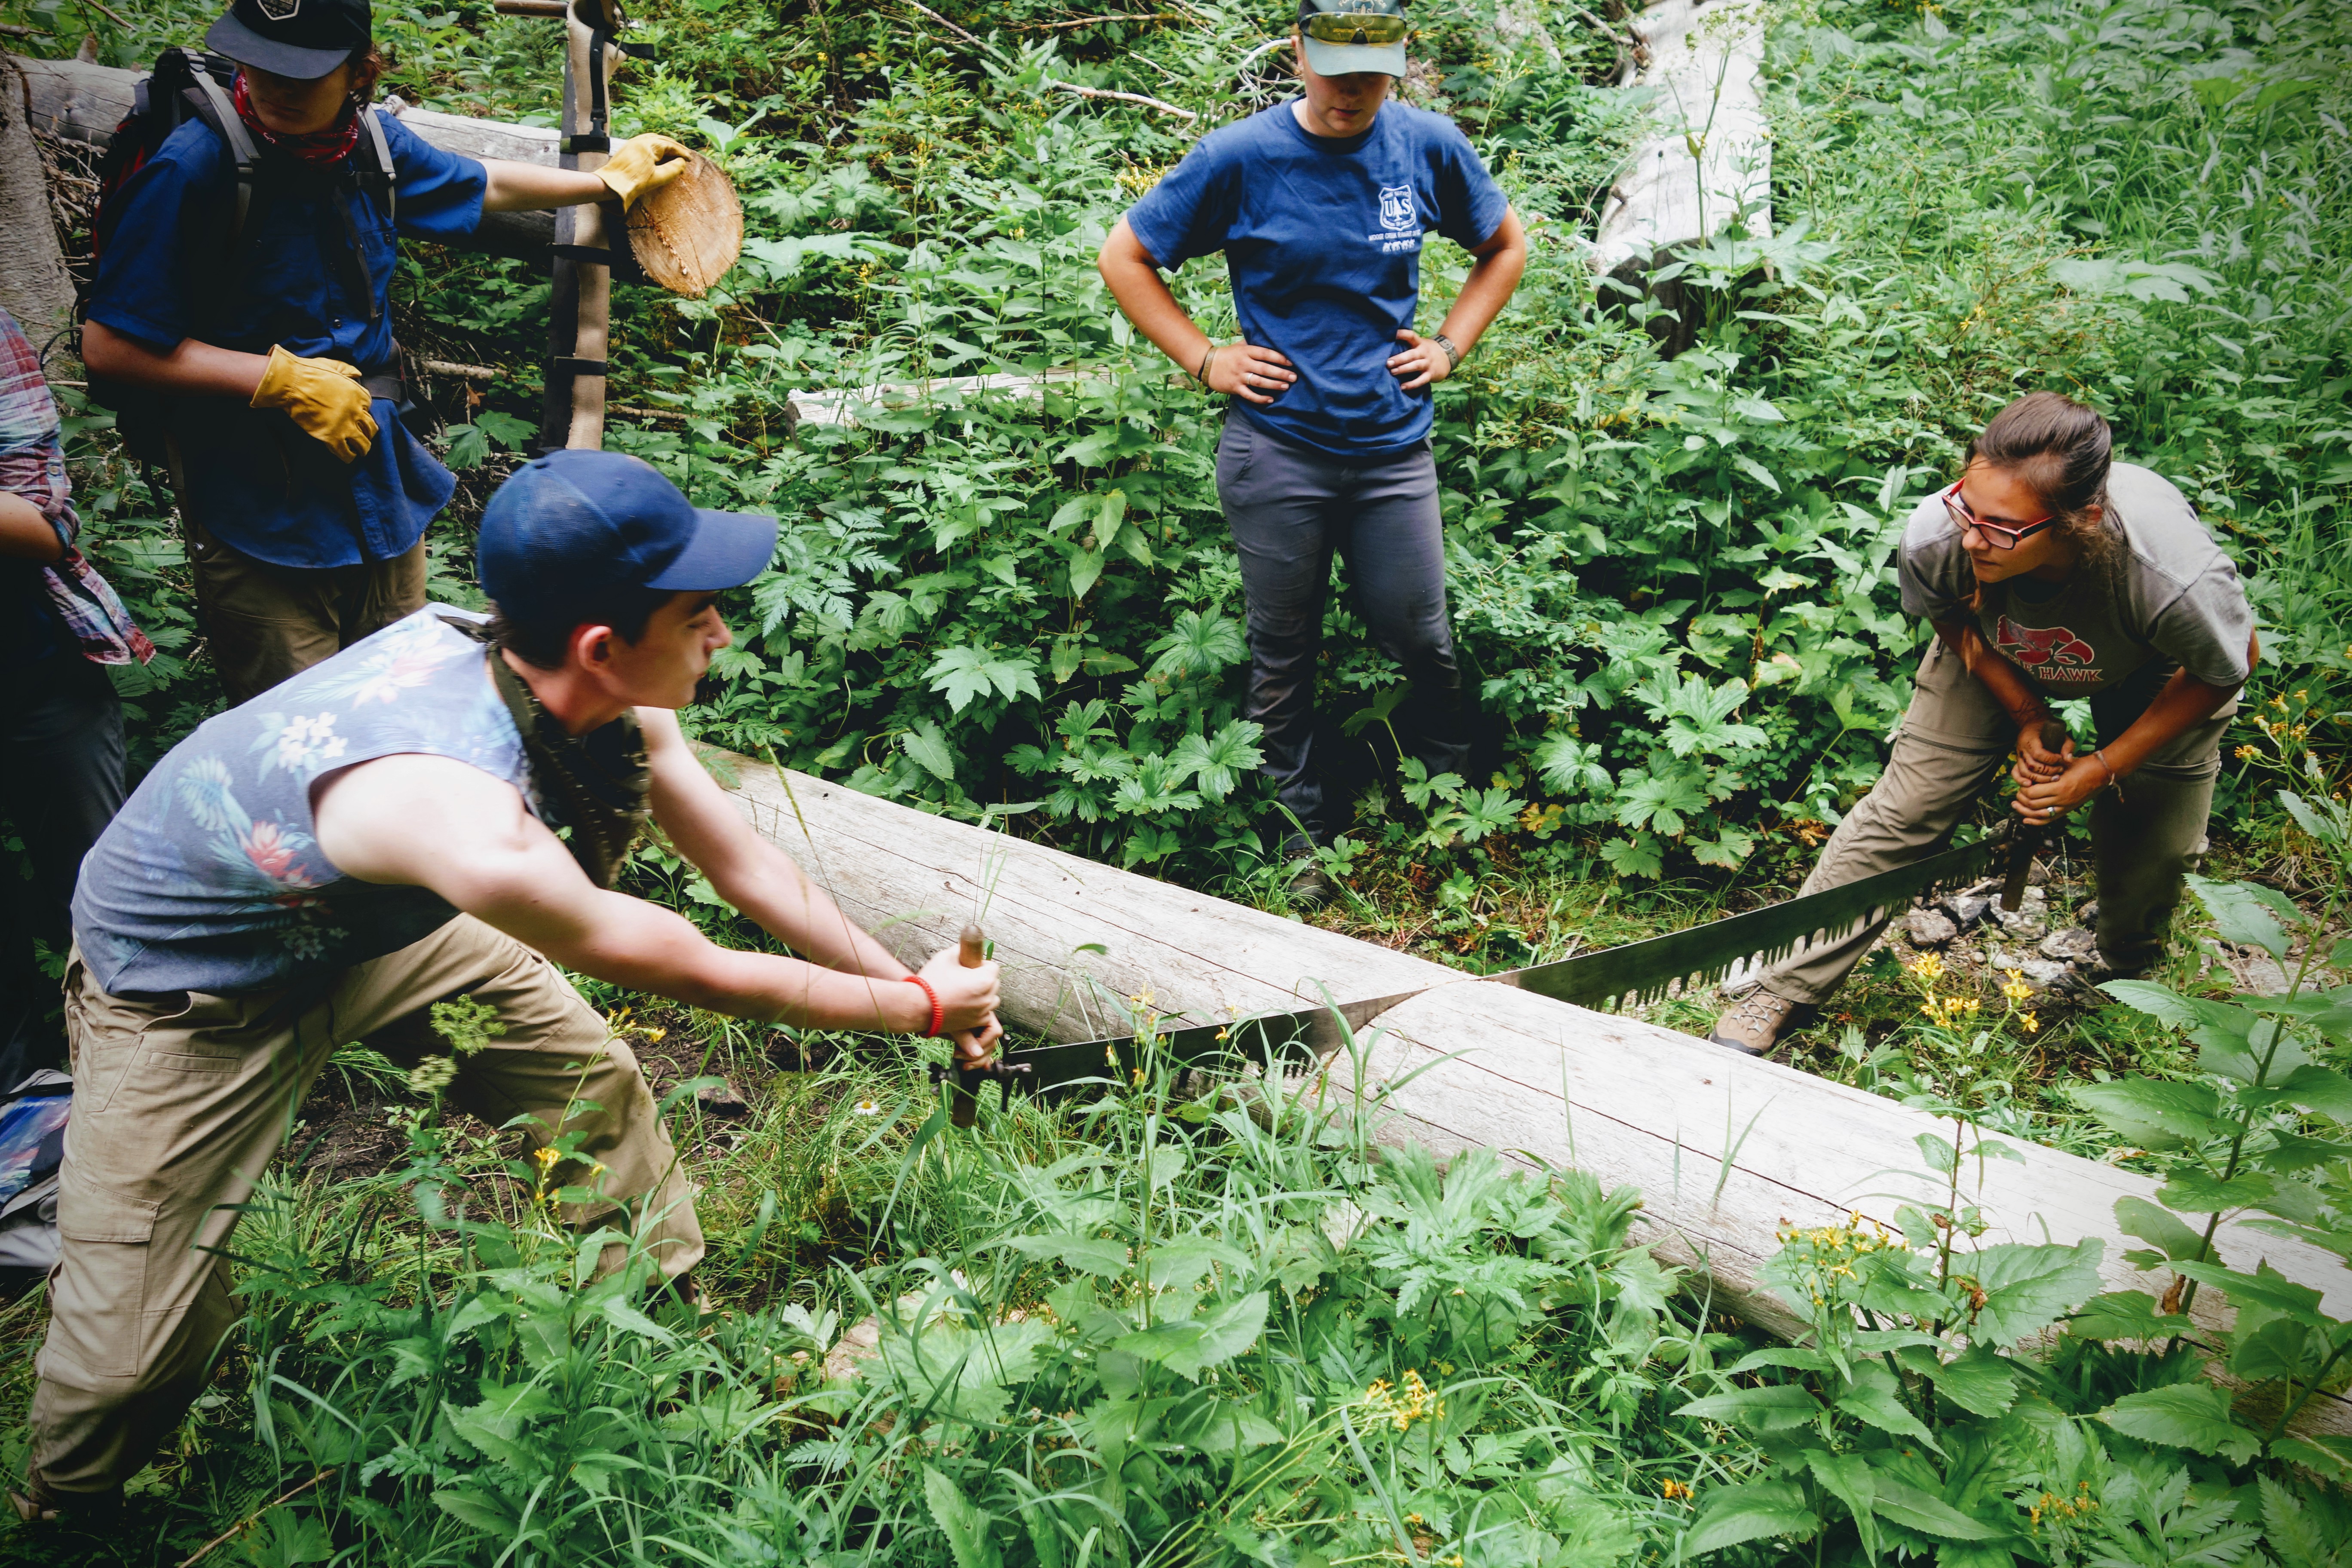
x=1170 y=1327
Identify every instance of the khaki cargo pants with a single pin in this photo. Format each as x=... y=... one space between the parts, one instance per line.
x=2146 y=830
x=180 y=1101
x=265 y=624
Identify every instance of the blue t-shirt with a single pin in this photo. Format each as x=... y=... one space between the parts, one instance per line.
x=283 y=498
x=1322 y=236
x=210 y=877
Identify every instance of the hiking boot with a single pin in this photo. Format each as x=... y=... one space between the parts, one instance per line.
x=38 y=1503
x=1756 y=1024
x=1309 y=888
x=2079 y=986
x=1304 y=884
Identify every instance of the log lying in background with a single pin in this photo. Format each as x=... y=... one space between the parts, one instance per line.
x=81 y=102
x=1726 y=1150
x=35 y=286
x=1706 y=154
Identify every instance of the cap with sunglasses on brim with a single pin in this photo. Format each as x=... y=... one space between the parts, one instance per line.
x=301 y=40
x=1343 y=37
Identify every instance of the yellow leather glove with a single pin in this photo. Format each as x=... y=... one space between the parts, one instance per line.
x=641 y=164
x=323 y=397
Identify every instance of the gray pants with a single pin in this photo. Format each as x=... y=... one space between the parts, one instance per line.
x=1290 y=508
x=2146 y=831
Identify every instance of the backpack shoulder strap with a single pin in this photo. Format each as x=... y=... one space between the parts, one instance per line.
x=384 y=172
x=219 y=114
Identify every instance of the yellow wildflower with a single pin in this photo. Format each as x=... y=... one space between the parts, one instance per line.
x=1930 y=966
x=2015 y=987
x=2033 y=1025
x=1405 y=1402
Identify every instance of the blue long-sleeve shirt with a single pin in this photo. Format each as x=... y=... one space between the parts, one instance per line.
x=271 y=492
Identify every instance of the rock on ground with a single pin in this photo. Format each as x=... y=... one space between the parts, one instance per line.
x=1968 y=907
x=2075 y=945
x=2030 y=921
x=1930 y=927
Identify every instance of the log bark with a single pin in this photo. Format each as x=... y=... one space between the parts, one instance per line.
x=81 y=102
x=1727 y=1151
x=35 y=286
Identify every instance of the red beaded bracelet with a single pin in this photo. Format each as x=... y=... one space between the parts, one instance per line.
x=938 y=1012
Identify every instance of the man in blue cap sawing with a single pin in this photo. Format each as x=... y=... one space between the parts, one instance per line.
x=375 y=835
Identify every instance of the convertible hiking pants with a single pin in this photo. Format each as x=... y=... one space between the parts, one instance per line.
x=1289 y=508
x=265 y=624
x=179 y=1100
x=2146 y=830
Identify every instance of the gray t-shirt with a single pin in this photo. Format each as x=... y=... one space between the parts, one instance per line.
x=2167 y=597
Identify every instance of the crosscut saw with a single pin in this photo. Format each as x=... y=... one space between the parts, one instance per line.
x=1638 y=971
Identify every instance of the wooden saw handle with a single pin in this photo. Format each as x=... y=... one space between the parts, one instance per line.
x=2029 y=839
x=963 y=1099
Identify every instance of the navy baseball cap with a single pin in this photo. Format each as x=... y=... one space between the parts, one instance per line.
x=575 y=524
x=301 y=39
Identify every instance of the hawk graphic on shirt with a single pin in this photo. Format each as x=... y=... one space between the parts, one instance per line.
x=2045 y=651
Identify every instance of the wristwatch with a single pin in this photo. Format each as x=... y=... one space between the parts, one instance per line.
x=1453 y=355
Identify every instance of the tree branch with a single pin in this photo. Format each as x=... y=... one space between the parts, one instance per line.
x=1160 y=104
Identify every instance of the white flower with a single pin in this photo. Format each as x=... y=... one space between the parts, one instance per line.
x=305 y=741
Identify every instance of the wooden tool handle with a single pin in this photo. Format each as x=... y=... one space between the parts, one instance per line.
x=964 y=1097
x=2029 y=839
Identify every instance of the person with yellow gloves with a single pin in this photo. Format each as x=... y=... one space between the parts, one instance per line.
x=264 y=343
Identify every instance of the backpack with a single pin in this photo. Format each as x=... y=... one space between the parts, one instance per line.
x=32 y=1145
x=191 y=84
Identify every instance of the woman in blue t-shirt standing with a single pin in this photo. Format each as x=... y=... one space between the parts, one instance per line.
x=1320 y=205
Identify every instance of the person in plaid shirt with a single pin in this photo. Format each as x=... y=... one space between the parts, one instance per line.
x=60 y=724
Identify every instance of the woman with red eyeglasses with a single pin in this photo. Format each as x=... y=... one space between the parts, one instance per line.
x=2049 y=573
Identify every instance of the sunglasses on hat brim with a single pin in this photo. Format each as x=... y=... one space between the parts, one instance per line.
x=1355 y=28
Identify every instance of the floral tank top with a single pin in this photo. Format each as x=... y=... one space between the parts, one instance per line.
x=210 y=877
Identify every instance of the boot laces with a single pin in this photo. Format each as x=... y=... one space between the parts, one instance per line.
x=1761 y=1009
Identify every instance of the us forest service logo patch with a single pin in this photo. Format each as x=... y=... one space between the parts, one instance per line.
x=280 y=10
x=2052 y=653
x=1397 y=212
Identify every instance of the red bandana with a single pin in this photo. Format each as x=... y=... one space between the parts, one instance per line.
x=329 y=146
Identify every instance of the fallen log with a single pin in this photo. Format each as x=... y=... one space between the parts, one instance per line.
x=1727 y=1151
x=78 y=101
x=1707 y=157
